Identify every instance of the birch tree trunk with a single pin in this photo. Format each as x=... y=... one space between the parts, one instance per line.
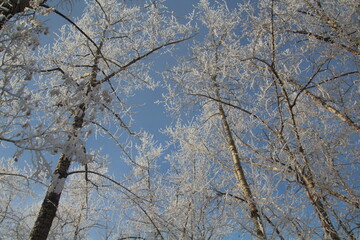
x=304 y=172
x=239 y=172
x=327 y=106
x=50 y=204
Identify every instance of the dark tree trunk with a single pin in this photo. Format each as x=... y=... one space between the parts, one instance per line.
x=8 y=8
x=50 y=204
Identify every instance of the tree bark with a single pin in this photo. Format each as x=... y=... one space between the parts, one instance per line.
x=239 y=172
x=8 y=8
x=328 y=107
x=50 y=204
x=305 y=172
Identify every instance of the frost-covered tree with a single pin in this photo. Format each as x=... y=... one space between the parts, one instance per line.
x=276 y=81
x=10 y=9
x=16 y=192
x=178 y=204
x=79 y=87
x=270 y=152
x=83 y=210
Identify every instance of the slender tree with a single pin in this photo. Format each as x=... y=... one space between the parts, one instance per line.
x=266 y=135
x=269 y=81
x=221 y=23
x=81 y=85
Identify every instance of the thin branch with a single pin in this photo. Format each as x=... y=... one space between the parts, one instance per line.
x=53 y=69
x=106 y=177
x=71 y=22
x=328 y=107
x=315 y=98
x=122 y=123
x=131 y=238
x=219 y=193
x=333 y=78
x=326 y=39
x=22 y=176
x=114 y=138
x=135 y=60
x=236 y=107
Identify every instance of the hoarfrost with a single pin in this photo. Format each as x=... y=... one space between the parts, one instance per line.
x=57 y=184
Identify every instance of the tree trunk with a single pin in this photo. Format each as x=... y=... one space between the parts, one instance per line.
x=8 y=8
x=328 y=107
x=50 y=204
x=315 y=199
x=239 y=172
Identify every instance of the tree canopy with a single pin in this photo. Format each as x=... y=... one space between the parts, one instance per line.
x=263 y=143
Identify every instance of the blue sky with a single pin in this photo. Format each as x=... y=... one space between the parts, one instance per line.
x=149 y=116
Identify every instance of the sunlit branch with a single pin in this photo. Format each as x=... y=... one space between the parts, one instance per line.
x=328 y=107
x=115 y=139
x=22 y=176
x=127 y=190
x=72 y=23
x=327 y=39
x=135 y=60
